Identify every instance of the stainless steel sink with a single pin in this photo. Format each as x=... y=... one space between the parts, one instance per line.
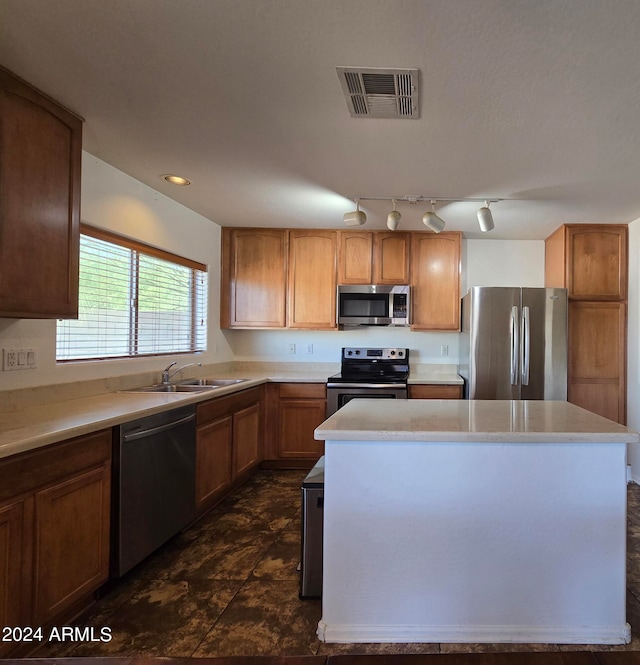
x=212 y=383
x=189 y=386
x=169 y=388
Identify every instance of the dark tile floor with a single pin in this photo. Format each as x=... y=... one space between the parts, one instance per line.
x=229 y=586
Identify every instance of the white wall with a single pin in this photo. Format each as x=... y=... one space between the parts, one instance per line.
x=633 y=345
x=503 y=263
x=484 y=263
x=114 y=201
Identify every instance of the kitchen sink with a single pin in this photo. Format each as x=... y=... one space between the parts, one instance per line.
x=211 y=383
x=169 y=388
x=189 y=386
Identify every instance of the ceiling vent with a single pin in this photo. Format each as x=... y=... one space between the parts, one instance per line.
x=380 y=93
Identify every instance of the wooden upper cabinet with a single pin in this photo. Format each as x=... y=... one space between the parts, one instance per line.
x=590 y=260
x=40 y=161
x=372 y=257
x=435 y=281
x=253 y=279
x=355 y=257
x=391 y=252
x=312 y=279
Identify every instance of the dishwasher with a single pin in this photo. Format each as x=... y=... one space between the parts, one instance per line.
x=154 y=484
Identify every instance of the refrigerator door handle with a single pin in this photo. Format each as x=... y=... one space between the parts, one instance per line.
x=515 y=344
x=526 y=346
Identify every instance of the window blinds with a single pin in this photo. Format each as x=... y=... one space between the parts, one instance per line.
x=133 y=302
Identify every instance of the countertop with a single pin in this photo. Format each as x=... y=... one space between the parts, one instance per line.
x=512 y=421
x=36 y=426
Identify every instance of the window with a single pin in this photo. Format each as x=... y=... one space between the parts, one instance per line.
x=134 y=300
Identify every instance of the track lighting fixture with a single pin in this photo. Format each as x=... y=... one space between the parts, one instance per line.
x=432 y=221
x=393 y=218
x=355 y=218
x=485 y=218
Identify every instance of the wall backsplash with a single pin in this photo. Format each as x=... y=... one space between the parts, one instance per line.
x=274 y=345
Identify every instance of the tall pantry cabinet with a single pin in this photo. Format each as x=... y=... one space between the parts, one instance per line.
x=590 y=261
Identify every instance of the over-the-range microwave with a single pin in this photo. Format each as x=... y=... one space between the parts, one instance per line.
x=373 y=305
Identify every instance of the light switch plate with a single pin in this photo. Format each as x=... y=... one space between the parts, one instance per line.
x=17 y=359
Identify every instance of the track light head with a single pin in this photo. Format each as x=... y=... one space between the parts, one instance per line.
x=485 y=218
x=355 y=218
x=393 y=218
x=432 y=221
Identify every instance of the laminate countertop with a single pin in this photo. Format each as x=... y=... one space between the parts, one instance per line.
x=43 y=424
x=508 y=421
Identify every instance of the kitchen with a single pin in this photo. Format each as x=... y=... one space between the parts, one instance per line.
x=145 y=208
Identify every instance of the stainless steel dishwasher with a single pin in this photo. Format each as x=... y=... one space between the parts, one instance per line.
x=154 y=479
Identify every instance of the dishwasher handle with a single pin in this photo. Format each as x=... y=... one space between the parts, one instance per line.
x=156 y=430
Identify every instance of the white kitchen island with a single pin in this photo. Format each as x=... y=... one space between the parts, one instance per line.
x=474 y=521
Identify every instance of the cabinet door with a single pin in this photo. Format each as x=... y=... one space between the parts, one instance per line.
x=298 y=420
x=597 y=262
x=213 y=459
x=435 y=281
x=391 y=253
x=246 y=439
x=15 y=563
x=71 y=541
x=312 y=279
x=597 y=358
x=40 y=153
x=302 y=407
x=355 y=257
x=253 y=280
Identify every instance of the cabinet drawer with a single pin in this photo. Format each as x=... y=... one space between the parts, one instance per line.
x=303 y=390
x=28 y=471
x=219 y=407
x=435 y=392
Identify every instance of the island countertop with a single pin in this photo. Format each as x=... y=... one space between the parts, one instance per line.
x=513 y=421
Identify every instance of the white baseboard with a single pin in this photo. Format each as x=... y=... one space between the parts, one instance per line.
x=476 y=634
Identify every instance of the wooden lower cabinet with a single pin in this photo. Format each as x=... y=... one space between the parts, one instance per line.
x=229 y=443
x=435 y=391
x=597 y=358
x=246 y=440
x=54 y=530
x=213 y=455
x=294 y=411
x=71 y=543
x=15 y=560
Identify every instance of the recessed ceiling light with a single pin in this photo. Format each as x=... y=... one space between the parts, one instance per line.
x=176 y=179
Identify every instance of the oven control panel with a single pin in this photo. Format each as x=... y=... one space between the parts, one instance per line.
x=360 y=353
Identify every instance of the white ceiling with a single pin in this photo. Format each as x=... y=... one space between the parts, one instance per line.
x=536 y=101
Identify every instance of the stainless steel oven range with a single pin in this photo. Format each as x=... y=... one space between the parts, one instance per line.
x=370 y=373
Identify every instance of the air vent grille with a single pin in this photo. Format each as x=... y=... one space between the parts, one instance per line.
x=380 y=93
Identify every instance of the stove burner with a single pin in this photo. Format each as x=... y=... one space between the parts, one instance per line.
x=379 y=365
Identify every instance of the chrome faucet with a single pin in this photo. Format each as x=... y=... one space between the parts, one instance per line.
x=166 y=374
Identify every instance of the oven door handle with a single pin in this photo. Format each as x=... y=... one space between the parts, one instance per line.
x=392 y=386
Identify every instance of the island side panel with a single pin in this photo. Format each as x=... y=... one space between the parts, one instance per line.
x=474 y=542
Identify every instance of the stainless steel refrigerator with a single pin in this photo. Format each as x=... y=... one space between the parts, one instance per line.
x=514 y=343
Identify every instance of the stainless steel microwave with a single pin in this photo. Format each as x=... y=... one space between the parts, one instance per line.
x=373 y=305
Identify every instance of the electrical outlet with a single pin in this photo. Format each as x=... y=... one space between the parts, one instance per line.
x=15 y=359
x=309 y=348
x=9 y=360
x=292 y=348
x=444 y=350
